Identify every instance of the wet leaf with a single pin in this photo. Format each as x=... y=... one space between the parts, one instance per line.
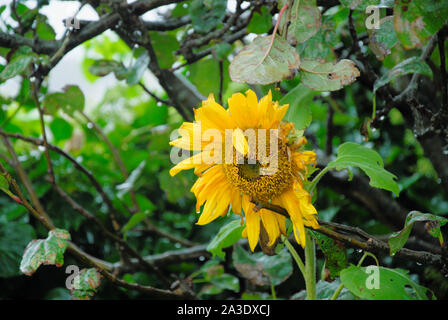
x=261 y=269
x=206 y=16
x=299 y=100
x=45 y=251
x=382 y=40
x=398 y=239
x=226 y=237
x=70 y=100
x=135 y=72
x=325 y=290
x=305 y=20
x=328 y=76
x=392 y=284
x=103 y=67
x=368 y=160
x=415 y=21
x=409 y=66
x=252 y=66
x=335 y=254
x=16 y=66
x=86 y=284
x=260 y=22
x=14 y=237
x=359 y=4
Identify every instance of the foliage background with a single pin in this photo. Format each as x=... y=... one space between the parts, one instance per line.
x=200 y=45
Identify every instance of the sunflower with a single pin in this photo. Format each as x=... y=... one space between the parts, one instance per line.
x=236 y=170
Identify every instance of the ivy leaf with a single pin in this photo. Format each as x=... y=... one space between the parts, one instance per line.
x=226 y=237
x=253 y=66
x=328 y=76
x=382 y=40
x=368 y=160
x=304 y=21
x=398 y=239
x=16 y=66
x=299 y=111
x=70 y=100
x=48 y=251
x=394 y=284
x=86 y=283
x=408 y=66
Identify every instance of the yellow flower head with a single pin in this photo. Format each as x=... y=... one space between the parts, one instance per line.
x=246 y=156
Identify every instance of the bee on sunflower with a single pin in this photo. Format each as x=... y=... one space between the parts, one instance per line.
x=238 y=166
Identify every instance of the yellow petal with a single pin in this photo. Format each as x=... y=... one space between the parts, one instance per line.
x=239 y=142
x=252 y=222
x=270 y=225
x=186 y=164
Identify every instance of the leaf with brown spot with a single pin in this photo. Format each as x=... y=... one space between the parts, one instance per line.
x=253 y=66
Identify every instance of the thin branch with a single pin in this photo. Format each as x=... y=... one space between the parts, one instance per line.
x=162 y=101
x=357 y=238
x=116 y=156
x=35 y=88
x=77 y=165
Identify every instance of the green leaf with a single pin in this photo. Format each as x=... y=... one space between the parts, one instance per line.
x=359 y=4
x=16 y=66
x=408 y=66
x=261 y=22
x=136 y=71
x=135 y=219
x=328 y=76
x=261 y=269
x=393 y=284
x=45 y=31
x=226 y=281
x=398 y=239
x=335 y=254
x=166 y=46
x=221 y=50
x=103 y=67
x=208 y=69
x=325 y=290
x=61 y=129
x=368 y=160
x=299 y=100
x=226 y=237
x=252 y=66
x=206 y=16
x=71 y=100
x=304 y=21
x=48 y=251
x=382 y=40
x=86 y=284
x=129 y=184
x=415 y=21
x=14 y=237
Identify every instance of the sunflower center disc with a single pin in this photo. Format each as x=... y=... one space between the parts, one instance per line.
x=262 y=181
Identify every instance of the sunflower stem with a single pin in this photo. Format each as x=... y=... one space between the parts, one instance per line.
x=295 y=255
x=317 y=178
x=310 y=266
